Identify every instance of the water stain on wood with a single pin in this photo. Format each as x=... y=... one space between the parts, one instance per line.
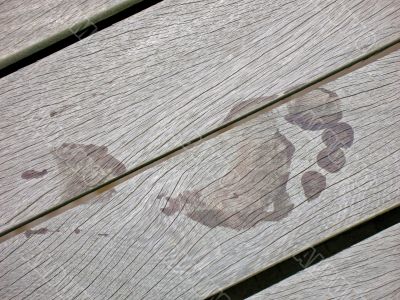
x=316 y=110
x=313 y=184
x=87 y=166
x=32 y=174
x=29 y=233
x=238 y=207
x=247 y=106
x=339 y=135
x=331 y=160
x=320 y=110
x=259 y=195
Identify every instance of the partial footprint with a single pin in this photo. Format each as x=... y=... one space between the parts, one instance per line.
x=86 y=166
x=320 y=110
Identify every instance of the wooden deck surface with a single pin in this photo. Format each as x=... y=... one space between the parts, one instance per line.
x=368 y=270
x=153 y=82
x=272 y=176
x=235 y=204
x=27 y=27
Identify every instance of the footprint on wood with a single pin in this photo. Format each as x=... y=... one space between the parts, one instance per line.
x=254 y=189
x=320 y=110
x=86 y=166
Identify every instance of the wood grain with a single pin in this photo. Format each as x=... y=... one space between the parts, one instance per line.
x=27 y=27
x=227 y=208
x=368 y=270
x=152 y=82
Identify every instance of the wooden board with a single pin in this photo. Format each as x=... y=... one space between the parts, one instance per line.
x=368 y=270
x=152 y=82
x=27 y=27
x=227 y=208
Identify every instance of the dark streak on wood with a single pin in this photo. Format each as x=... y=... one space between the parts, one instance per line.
x=29 y=233
x=32 y=174
x=56 y=112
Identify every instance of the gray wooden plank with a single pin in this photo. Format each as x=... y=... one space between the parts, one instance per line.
x=160 y=78
x=27 y=27
x=228 y=207
x=368 y=270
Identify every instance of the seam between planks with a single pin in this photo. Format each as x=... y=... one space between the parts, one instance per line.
x=312 y=255
x=303 y=89
x=67 y=37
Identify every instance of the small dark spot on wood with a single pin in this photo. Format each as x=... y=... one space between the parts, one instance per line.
x=330 y=93
x=29 y=233
x=103 y=234
x=340 y=135
x=313 y=184
x=53 y=113
x=331 y=160
x=77 y=230
x=32 y=174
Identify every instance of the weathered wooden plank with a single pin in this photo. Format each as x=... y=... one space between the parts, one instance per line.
x=227 y=208
x=160 y=78
x=368 y=270
x=27 y=27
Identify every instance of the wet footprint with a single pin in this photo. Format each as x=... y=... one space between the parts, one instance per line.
x=255 y=188
x=320 y=110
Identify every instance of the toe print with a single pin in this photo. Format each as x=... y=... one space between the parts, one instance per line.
x=331 y=160
x=340 y=135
